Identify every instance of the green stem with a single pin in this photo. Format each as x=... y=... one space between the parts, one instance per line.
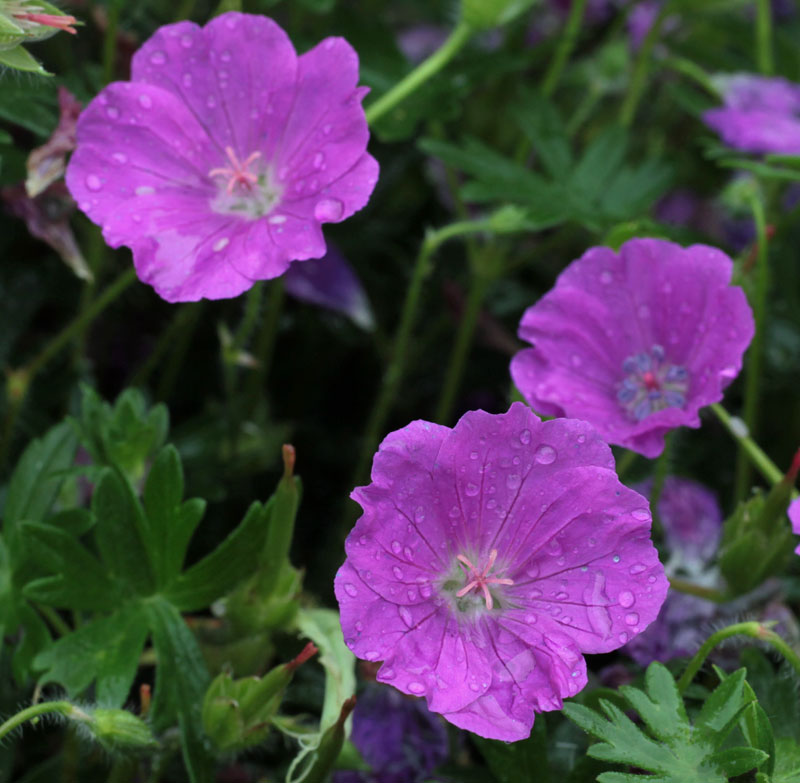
x=764 y=37
x=584 y=109
x=34 y=711
x=753 y=630
x=641 y=68
x=68 y=333
x=424 y=71
x=694 y=72
x=769 y=470
x=479 y=284
x=569 y=37
x=264 y=348
x=181 y=345
x=165 y=342
x=690 y=588
x=55 y=619
x=110 y=40
x=251 y=310
x=625 y=461
x=394 y=372
x=755 y=355
x=659 y=476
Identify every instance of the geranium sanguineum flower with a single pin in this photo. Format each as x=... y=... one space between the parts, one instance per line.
x=489 y=558
x=635 y=341
x=221 y=158
x=761 y=114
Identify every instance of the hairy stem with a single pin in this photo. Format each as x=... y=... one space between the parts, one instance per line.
x=424 y=71
x=34 y=711
x=755 y=355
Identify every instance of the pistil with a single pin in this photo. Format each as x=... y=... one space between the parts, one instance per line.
x=237 y=172
x=481 y=579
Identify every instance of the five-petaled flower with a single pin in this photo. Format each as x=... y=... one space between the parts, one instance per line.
x=635 y=342
x=760 y=114
x=489 y=557
x=221 y=158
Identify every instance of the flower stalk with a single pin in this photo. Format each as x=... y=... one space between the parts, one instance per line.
x=566 y=44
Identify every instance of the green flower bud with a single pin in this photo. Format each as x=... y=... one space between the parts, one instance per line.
x=237 y=714
x=330 y=746
x=486 y=14
x=116 y=730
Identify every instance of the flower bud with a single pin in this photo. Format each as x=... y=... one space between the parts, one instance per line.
x=486 y=14
x=115 y=729
x=237 y=713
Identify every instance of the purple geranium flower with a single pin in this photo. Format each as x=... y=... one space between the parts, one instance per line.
x=794 y=518
x=760 y=114
x=635 y=342
x=397 y=736
x=221 y=158
x=489 y=557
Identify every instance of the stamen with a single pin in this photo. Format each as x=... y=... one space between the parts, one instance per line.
x=652 y=384
x=481 y=579
x=237 y=173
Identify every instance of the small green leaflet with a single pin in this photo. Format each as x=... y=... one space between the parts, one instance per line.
x=668 y=746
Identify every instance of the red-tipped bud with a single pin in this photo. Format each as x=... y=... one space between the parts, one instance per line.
x=794 y=469
x=288 y=460
x=144 y=700
x=308 y=651
x=347 y=708
x=60 y=21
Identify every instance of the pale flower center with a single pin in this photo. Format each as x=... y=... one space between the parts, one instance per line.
x=651 y=384
x=480 y=579
x=250 y=194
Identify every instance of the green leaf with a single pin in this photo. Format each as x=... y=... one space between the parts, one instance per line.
x=787 y=761
x=667 y=745
x=539 y=120
x=120 y=531
x=31 y=106
x=181 y=683
x=35 y=636
x=21 y=59
x=231 y=562
x=518 y=762
x=601 y=159
x=757 y=730
x=78 y=580
x=171 y=522
x=322 y=626
x=35 y=482
x=107 y=649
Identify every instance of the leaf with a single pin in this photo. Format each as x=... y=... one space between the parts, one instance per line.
x=21 y=59
x=78 y=580
x=181 y=682
x=230 y=563
x=31 y=106
x=757 y=730
x=171 y=522
x=35 y=481
x=787 y=761
x=120 y=532
x=518 y=762
x=539 y=120
x=322 y=626
x=107 y=649
x=668 y=746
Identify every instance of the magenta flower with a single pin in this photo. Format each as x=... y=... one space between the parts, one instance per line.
x=221 y=158
x=489 y=557
x=635 y=342
x=761 y=114
x=794 y=518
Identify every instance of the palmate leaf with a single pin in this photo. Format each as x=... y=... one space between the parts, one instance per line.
x=668 y=746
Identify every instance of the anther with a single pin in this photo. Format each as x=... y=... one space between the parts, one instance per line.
x=481 y=579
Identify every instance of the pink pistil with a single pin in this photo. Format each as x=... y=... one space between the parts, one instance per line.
x=62 y=22
x=237 y=174
x=651 y=381
x=481 y=579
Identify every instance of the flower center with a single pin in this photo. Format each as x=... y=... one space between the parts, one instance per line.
x=480 y=580
x=249 y=194
x=651 y=384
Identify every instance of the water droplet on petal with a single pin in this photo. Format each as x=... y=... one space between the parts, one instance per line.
x=187 y=80
x=328 y=210
x=350 y=589
x=606 y=277
x=397 y=547
x=372 y=655
x=525 y=437
x=416 y=687
x=626 y=599
x=211 y=101
x=631 y=618
x=386 y=674
x=623 y=637
x=471 y=490
x=120 y=157
x=326 y=128
x=405 y=616
x=398 y=572
x=112 y=112
x=93 y=182
x=221 y=244
x=225 y=56
x=513 y=480
x=144 y=190
x=642 y=514
x=186 y=41
x=319 y=160
x=545 y=455
x=158 y=58
x=637 y=568
x=473 y=455
x=616 y=558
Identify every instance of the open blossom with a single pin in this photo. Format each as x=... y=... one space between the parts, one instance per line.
x=489 y=558
x=635 y=341
x=220 y=160
x=761 y=114
x=794 y=518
